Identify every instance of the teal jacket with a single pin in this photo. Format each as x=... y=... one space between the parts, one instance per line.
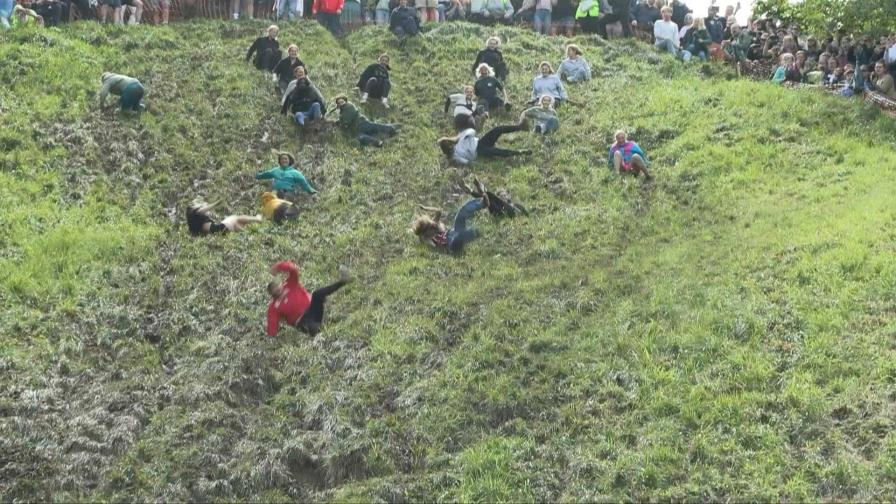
x=286 y=179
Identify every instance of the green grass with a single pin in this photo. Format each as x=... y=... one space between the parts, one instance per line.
x=724 y=333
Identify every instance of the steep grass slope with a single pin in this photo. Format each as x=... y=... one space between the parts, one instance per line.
x=726 y=332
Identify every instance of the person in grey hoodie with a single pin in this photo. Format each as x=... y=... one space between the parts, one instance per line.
x=543 y=116
x=128 y=88
x=547 y=83
x=574 y=68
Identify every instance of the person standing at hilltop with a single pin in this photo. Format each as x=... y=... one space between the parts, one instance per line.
x=328 y=12
x=291 y=302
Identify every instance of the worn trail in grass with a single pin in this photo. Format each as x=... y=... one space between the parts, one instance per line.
x=725 y=332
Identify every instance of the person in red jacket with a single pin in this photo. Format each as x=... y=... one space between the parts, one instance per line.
x=328 y=12
x=290 y=300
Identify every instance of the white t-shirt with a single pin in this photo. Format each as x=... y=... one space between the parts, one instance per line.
x=459 y=102
x=465 y=149
x=666 y=30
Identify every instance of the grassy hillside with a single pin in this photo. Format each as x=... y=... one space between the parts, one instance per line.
x=725 y=332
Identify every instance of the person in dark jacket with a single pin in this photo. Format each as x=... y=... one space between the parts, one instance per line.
x=403 y=21
x=493 y=57
x=620 y=13
x=266 y=50
x=374 y=82
x=499 y=204
x=487 y=89
x=357 y=124
x=679 y=11
x=304 y=102
x=284 y=71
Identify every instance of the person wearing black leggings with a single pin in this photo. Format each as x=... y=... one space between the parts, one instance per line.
x=465 y=147
x=290 y=300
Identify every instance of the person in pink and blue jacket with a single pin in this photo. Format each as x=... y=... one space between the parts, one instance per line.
x=627 y=157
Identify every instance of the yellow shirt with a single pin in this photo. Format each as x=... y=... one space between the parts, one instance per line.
x=269 y=204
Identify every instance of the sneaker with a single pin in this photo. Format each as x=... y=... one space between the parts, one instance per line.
x=385 y=103
x=363 y=97
x=344 y=274
x=236 y=16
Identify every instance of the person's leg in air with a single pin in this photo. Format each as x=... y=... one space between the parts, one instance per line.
x=486 y=146
x=313 y=318
x=460 y=235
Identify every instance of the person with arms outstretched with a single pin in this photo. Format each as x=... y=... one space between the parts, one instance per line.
x=285 y=177
x=430 y=229
x=292 y=303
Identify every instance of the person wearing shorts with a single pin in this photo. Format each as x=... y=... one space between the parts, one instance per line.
x=563 y=17
x=115 y=5
x=135 y=10
x=427 y=10
x=627 y=157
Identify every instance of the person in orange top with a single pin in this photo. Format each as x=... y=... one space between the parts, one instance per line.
x=291 y=302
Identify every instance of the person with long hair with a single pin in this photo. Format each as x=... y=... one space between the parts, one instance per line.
x=493 y=57
x=489 y=91
x=266 y=50
x=200 y=222
x=548 y=83
x=431 y=231
x=574 y=68
x=465 y=147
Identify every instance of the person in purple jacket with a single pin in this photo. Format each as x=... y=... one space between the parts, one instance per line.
x=626 y=156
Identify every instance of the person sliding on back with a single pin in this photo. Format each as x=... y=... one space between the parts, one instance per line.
x=492 y=56
x=286 y=178
x=200 y=223
x=357 y=124
x=303 y=101
x=266 y=49
x=431 y=231
x=292 y=303
x=374 y=82
x=128 y=88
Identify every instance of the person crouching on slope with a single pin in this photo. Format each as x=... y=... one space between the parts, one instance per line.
x=355 y=123
x=626 y=156
x=544 y=116
x=200 y=223
x=286 y=178
x=292 y=303
x=374 y=82
x=432 y=232
x=276 y=209
x=128 y=88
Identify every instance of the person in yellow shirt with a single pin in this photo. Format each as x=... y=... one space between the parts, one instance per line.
x=276 y=209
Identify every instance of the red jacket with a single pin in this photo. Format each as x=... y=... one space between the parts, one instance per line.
x=327 y=6
x=294 y=301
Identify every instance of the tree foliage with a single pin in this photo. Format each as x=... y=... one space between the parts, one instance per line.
x=875 y=17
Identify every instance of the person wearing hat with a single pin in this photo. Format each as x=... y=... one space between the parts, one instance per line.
x=285 y=177
x=128 y=88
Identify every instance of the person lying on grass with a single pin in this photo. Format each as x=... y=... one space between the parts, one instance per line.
x=431 y=231
x=304 y=102
x=286 y=178
x=276 y=209
x=292 y=303
x=627 y=157
x=129 y=89
x=543 y=116
x=499 y=204
x=200 y=223
x=357 y=124
x=465 y=146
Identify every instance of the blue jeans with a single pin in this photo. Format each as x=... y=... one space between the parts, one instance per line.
x=550 y=126
x=666 y=45
x=692 y=49
x=382 y=17
x=311 y=114
x=459 y=235
x=542 y=21
x=289 y=9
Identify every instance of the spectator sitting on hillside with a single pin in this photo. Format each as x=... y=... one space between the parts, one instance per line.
x=786 y=70
x=684 y=31
x=698 y=39
x=292 y=303
x=627 y=156
x=266 y=50
x=465 y=147
x=715 y=26
x=883 y=82
x=645 y=14
x=492 y=56
x=489 y=12
x=285 y=177
x=738 y=46
x=199 y=222
x=304 y=102
x=487 y=89
x=464 y=104
x=548 y=83
x=276 y=209
x=431 y=231
x=284 y=72
x=355 y=123
x=374 y=82
x=543 y=116
x=403 y=21
x=500 y=204
x=128 y=88
x=574 y=68
x=836 y=76
x=665 y=32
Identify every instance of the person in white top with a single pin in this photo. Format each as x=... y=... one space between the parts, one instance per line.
x=465 y=147
x=666 y=32
x=464 y=104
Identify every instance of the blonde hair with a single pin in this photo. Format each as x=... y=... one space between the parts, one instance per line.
x=424 y=225
x=786 y=57
x=665 y=9
x=618 y=132
x=491 y=71
x=698 y=23
x=495 y=38
x=466 y=87
x=291 y=47
x=542 y=97
x=543 y=63
x=575 y=48
x=273 y=28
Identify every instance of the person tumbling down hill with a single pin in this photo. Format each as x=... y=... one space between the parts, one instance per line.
x=292 y=303
x=276 y=209
x=374 y=81
x=200 y=223
x=286 y=178
x=465 y=147
x=499 y=204
x=431 y=231
x=357 y=124
x=626 y=156
x=128 y=88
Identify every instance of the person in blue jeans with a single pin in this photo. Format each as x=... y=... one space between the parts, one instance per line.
x=431 y=231
x=304 y=102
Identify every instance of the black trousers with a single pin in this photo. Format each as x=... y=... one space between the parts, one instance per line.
x=486 y=146
x=376 y=88
x=268 y=59
x=621 y=16
x=313 y=319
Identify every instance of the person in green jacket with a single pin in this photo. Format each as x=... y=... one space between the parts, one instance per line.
x=286 y=178
x=355 y=123
x=588 y=15
x=128 y=88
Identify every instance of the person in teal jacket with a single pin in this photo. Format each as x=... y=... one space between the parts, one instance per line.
x=286 y=178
